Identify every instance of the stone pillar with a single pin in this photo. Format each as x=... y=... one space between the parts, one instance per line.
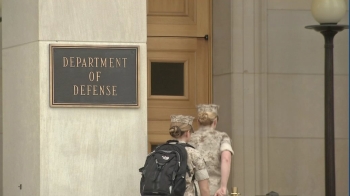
x=222 y=71
x=1 y=135
x=68 y=151
x=239 y=85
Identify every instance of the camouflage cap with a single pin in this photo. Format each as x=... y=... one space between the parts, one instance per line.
x=208 y=108
x=182 y=119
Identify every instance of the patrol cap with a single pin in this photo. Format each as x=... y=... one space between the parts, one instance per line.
x=181 y=119
x=180 y=123
x=213 y=108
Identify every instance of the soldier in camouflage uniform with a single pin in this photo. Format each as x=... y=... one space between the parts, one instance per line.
x=181 y=129
x=215 y=146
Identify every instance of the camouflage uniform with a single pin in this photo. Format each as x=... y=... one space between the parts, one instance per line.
x=211 y=143
x=197 y=168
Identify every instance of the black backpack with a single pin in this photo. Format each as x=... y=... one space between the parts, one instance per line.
x=164 y=172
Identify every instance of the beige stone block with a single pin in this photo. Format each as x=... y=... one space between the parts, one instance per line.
x=342 y=166
x=1 y=164
x=341 y=106
x=221 y=37
x=295 y=105
x=291 y=47
x=248 y=36
x=341 y=50
x=249 y=103
x=98 y=21
x=20 y=22
x=222 y=97
x=1 y=128
x=237 y=101
x=244 y=121
x=1 y=84
x=294 y=49
x=249 y=133
x=21 y=135
x=91 y=151
x=238 y=130
x=291 y=4
x=237 y=42
x=1 y=94
x=296 y=166
x=261 y=134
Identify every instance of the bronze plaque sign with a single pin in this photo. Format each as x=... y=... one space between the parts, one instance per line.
x=93 y=76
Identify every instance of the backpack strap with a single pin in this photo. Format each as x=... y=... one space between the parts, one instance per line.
x=172 y=141
x=188 y=170
x=188 y=145
x=182 y=144
x=195 y=187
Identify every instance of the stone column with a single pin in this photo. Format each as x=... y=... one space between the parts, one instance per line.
x=1 y=132
x=68 y=151
x=239 y=85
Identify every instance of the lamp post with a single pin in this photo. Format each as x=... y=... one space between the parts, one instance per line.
x=328 y=13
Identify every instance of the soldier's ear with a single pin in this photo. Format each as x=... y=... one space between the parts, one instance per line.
x=188 y=134
x=215 y=122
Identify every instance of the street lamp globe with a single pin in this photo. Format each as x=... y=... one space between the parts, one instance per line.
x=328 y=11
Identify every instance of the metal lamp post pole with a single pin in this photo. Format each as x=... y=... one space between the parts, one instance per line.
x=329 y=31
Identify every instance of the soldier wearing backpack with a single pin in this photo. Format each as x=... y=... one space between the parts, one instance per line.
x=172 y=167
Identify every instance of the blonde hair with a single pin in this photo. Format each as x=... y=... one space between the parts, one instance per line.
x=206 y=118
x=177 y=129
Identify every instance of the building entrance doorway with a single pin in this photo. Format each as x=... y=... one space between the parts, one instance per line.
x=179 y=62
